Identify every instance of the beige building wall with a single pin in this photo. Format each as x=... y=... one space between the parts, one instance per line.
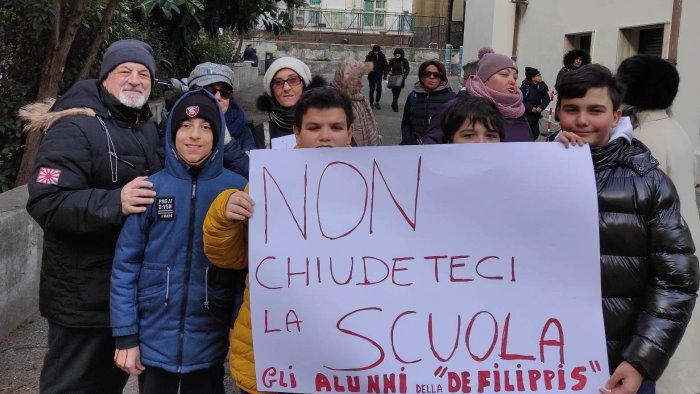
x=687 y=104
x=430 y=7
x=545 y=24
x=488 y=23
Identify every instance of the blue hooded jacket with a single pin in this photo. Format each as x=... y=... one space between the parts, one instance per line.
x=163 y=288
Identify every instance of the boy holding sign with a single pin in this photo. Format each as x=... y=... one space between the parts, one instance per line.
x=170 y=309
x=648 y=270
x=322 y=119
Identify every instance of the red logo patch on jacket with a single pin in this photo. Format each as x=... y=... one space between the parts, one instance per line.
x=48 y=176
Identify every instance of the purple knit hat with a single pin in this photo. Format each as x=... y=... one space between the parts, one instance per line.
x=491 y=63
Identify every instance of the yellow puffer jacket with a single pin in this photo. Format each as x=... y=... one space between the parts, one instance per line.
x=226 y=246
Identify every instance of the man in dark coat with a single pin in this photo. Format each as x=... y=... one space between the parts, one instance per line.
x=376 y=56
x=91 y=171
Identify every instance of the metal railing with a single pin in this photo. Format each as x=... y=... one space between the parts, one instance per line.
x=358 y=22
x=376 y=22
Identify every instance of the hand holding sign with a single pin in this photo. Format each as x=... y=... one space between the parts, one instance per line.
x=239 y=206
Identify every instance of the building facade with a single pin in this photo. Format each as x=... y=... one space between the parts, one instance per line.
x=354 y=21
x=538 y=32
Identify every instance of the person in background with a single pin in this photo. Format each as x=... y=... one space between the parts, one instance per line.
x=496 y=80
x=398 y=65
x=435 y=124
x=91 y=174
x=650 y=85
x=217 y=79
x=170 y=308
x=284 y=82
x=472 y=120
x=348 y=80
x=649 y=272
x=323 y=119
x=250 y=54
x=429 y=93
x=535 y=98
x=376 y=56
x=573 y=60
x=468 y=70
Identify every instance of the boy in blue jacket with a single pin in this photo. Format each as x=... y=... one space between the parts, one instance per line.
x=170 y=309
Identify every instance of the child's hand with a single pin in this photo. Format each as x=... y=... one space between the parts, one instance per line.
x=129 y=360
x=625 y=380
x=568 y=138
x=239 y=206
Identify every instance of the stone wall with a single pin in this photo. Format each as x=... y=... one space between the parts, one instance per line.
x=20 y=260
x=324 y=58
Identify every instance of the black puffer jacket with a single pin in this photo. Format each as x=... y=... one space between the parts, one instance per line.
x=399 y=66
x=380 y=65
x=648 y=270
x=97 y=152
x=420 y=107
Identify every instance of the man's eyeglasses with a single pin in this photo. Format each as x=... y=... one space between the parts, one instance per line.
x=433 y=74
x=224 y=91
x=293 y=80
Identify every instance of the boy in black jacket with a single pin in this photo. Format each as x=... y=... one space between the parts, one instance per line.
x=649 y=273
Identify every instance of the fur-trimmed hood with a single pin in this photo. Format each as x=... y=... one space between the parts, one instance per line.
x=81 y=99
x=38 y=116
x=570 y=56
x=86 y=98
x=265 y=101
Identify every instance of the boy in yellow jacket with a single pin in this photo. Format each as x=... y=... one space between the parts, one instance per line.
x=322 y=119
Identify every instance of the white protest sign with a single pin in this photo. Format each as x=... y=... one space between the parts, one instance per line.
x=286 y=142
x=430 y=269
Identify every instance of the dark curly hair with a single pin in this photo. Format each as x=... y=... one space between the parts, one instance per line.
x=570 y=56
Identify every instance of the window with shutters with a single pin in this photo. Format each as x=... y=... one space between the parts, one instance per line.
x=648 y=40
x=579 y=41
x=375 y=13
x=651 y=41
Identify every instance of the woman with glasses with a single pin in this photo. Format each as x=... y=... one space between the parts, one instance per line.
x=496 y=80
x=284 y=82
x=218 y=80
x=429 y=94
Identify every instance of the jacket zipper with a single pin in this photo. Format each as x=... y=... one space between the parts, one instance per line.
x=135 y=133
x=206 y=288
x=188 y=269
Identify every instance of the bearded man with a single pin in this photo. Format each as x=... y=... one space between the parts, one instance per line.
x=91 y=171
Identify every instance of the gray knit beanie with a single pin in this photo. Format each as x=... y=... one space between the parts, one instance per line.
x=124 y=51
x=206 y=74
